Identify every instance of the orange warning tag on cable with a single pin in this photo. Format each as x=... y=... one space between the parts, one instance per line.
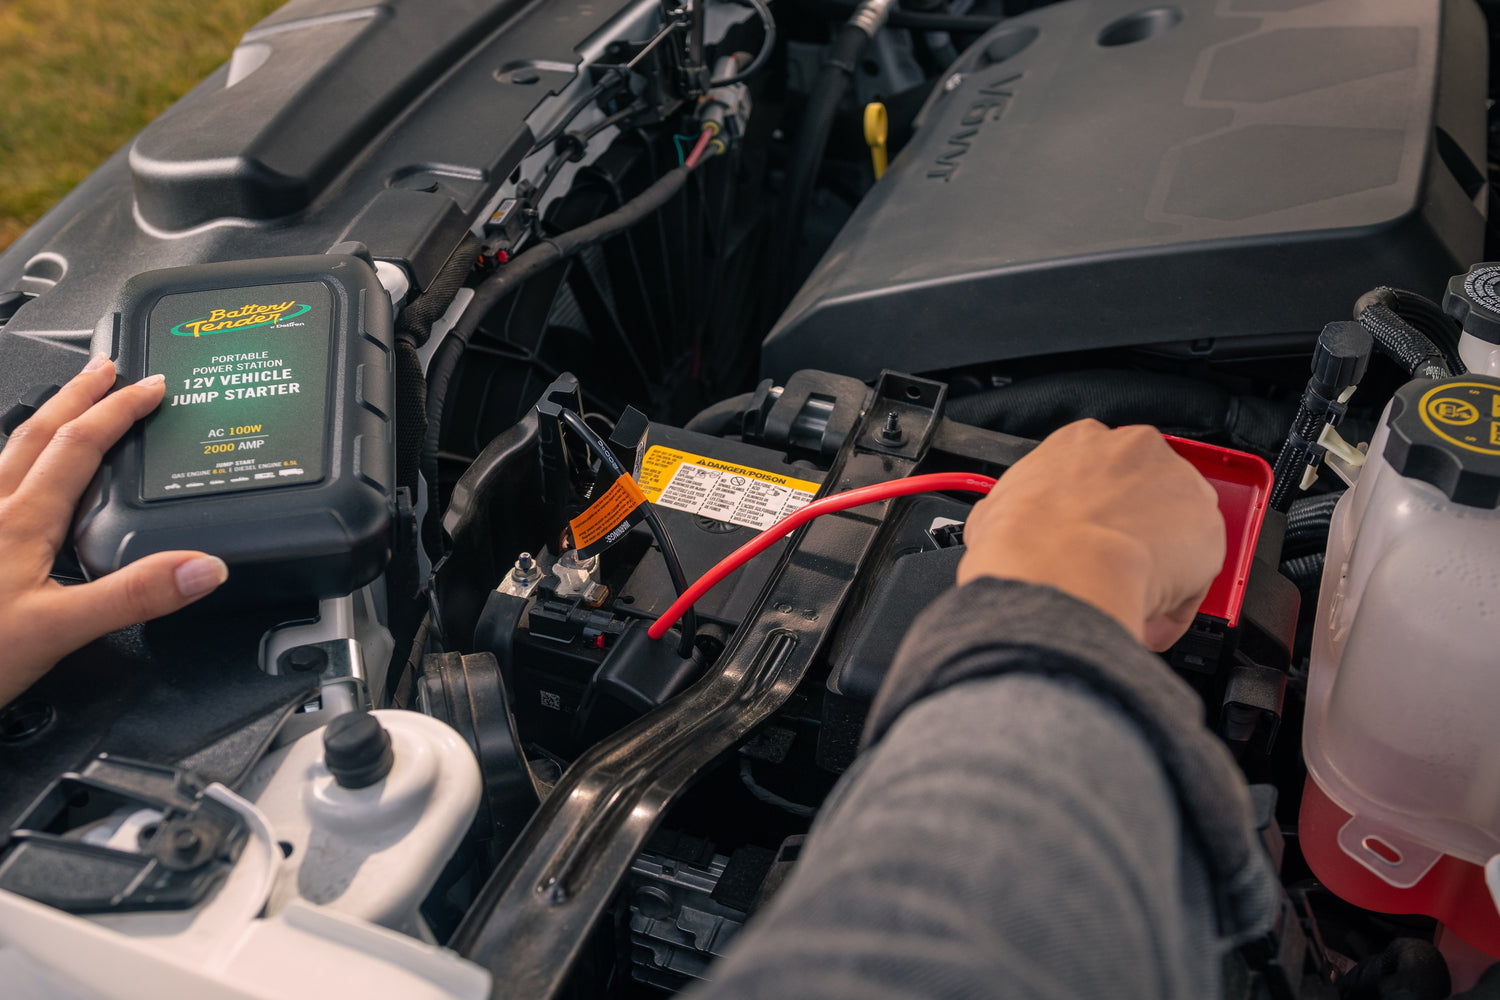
x=608 y=518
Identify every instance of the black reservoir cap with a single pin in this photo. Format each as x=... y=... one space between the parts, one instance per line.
x=1342 y=354
x=1474 y=300
x=357 y=750
x=1448 y=434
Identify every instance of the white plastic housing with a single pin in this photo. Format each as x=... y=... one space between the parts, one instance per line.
x=1405 y=677
x=307 y=926
x=1480 y=357
x=372 y=852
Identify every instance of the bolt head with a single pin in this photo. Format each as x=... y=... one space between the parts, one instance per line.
x=305 y=658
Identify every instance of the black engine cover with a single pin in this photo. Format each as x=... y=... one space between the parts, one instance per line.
x=1094 y=175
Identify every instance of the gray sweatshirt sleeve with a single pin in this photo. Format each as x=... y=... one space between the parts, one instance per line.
x=1031 y=821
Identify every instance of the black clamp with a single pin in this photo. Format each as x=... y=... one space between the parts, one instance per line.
x=1329 y=413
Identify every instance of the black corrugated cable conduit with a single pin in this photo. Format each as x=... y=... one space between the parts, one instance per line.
x=1305 y=571
x=817 y=122
x=412 y=332
x=542 y=255
x=1035 y=407
x=1307 y=524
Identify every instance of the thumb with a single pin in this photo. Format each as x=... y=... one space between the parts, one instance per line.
x=148 y=588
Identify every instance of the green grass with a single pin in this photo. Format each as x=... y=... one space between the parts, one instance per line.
x=78 y=78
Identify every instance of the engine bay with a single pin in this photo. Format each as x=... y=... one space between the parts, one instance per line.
x=587 y=397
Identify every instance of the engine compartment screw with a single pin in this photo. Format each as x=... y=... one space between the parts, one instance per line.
x=186 y=840
x=891 y=433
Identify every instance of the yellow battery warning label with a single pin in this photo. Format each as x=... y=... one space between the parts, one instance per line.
x=722 y=491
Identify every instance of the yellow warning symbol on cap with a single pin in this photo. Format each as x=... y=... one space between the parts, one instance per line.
x=1452 y=410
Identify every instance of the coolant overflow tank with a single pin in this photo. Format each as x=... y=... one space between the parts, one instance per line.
x=1402 y=806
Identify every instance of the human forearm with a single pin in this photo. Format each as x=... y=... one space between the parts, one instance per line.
x=1010 y=837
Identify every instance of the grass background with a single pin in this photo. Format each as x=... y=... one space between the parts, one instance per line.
x=78 y=78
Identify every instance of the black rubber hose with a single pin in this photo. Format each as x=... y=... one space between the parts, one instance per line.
x=610 y=79
x=1398 y=340
x=1035 y=407
x=817 y=122
x=607 y=457
x=723 y=417
x=1424 y=315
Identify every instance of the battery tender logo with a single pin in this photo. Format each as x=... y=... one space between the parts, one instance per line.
x=243 y=318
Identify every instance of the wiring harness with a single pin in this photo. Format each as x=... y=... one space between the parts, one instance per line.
x=597 y=445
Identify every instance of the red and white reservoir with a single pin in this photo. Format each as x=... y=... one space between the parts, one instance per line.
x=1401 y=812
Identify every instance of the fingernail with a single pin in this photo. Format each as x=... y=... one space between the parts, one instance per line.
x=200 y=574
x=97 y=362
x=152 y=380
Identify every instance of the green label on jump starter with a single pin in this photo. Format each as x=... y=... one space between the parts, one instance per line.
x=247 y=390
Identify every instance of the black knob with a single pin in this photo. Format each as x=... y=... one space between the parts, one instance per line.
x=1342 y=354
x=1474 y=300
x=305 y=658
x=357 y=750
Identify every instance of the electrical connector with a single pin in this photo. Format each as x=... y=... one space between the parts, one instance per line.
x=726 y=109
